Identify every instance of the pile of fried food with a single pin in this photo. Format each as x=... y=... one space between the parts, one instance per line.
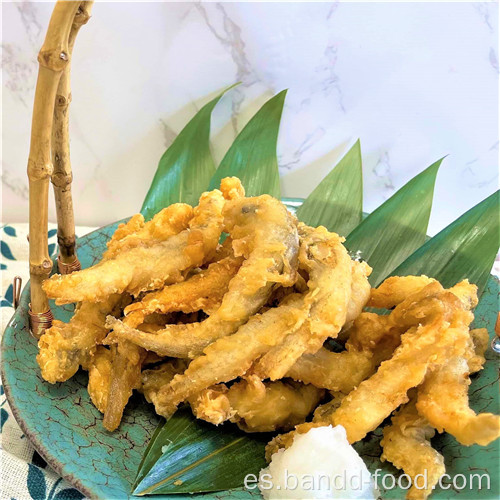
x=239 y=330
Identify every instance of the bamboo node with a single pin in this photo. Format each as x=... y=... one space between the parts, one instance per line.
x=39 y=322
x=53 y=59
x=68 y=268
x=63 y=101
x=82 y=16
x=61 y=179
x=42 y=269
x=38 y=171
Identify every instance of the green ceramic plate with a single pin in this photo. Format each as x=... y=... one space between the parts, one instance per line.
x=66 y=429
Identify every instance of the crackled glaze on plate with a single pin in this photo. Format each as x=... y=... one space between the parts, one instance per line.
x=66 y=428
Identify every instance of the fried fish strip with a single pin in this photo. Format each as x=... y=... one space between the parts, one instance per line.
x=256 y=406
x=144 y=268
x=372 y=340
x=443 y=399
x=395 y=289
x=480 y=340
x=202 y=291
x=232 y=356
x=406 y=444
x=374 y=399
x=423 y=347
x=66 y=346
x=125 y=377
x=262 y=231
x=364 y=409
x=265 y=234
x=99 y=378
x=154 y=379
x=360 y=290
x=329 y=267
x=323 y=413
x=171 y=220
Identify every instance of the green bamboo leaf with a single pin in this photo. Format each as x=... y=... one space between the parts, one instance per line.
x=337 y=202
x=186 y=167
x=465 y=249
x=397 y=228
x=187 y=455
x=252 y=156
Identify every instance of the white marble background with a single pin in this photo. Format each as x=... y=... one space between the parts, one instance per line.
x=415 y=81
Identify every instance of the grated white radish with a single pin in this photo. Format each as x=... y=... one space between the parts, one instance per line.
x=320 y=464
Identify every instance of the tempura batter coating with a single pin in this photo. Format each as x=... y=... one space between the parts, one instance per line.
x=203 y=291
x=66 y=346
x=257 y=406
x=395 y=289
x=324 y=412
x=360 y=290
x=230 y=357
x=422 y=348
x=154 y=379
x=480 y=341
x=125 y=377
x=443 y=399
x=372 y=340
x=232 y=188
x=265 y=233
x=99 y=378
x=171 y=220
x=262 y=231
x=329 y=267
x=144 y=268
x=406 y=444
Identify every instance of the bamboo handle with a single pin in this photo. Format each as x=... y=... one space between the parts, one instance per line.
x=53 y=58
x=62 y=176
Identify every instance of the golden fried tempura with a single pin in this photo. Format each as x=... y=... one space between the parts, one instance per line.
x=232 y=188
x=256 y=406
x=125 y=377
x=422 y=348
x=323 y=413
x=99 y=378
x=360 y=290
x=154 y=379
x=395 y=289
x=443 y=399
x=372 y=340
x=144 y=268
x=467 y=293
x=170 y=220
x=202 y=291
x=264 y=233
x=66 y=346
x=223 y=318
x=406 y=444
x=480 y=341
x=232 y=356
x=329 y=267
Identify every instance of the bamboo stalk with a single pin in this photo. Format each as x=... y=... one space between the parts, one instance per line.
x=52 y=59
x=62 y=175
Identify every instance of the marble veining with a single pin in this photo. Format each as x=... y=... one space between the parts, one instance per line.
x=415 y=81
